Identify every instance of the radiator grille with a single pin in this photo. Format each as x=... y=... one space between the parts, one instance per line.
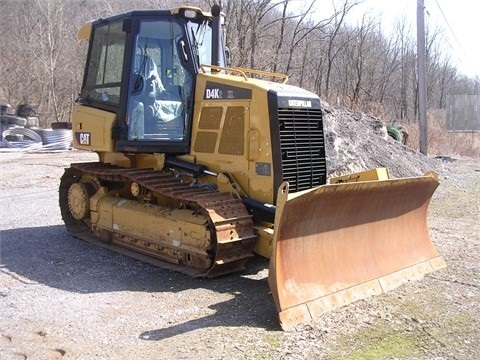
x=302 y=147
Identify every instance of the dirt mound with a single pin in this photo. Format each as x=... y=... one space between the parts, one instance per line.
x=355 y=141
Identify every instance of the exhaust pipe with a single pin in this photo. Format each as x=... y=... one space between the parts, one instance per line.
x=216 y=36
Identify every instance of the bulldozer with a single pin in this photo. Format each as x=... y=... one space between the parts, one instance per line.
x=202 y=165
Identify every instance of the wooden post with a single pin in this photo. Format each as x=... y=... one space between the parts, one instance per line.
x=422 y=90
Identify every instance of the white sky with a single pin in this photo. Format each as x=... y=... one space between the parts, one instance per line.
x=459 y=20
x=460 y=23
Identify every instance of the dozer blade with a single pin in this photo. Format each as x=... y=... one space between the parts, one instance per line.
x=337 y=244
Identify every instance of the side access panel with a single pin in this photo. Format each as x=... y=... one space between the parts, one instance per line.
x=340 y=243
x=92 y=129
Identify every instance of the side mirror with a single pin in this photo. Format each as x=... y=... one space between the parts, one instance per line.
x=227 y=57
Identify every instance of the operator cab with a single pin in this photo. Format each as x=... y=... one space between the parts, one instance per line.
x=142 y=66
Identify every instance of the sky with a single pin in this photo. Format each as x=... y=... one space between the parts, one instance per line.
x=459 y=21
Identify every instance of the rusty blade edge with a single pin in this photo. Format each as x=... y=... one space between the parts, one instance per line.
x=311 y=310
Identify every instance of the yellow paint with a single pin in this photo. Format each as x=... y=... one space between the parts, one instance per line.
x=214 y=124
x=85 y=31
x=95 y=125
x=367 y=175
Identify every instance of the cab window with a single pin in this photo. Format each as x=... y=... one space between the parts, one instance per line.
x=160 y=85
x=105 y=65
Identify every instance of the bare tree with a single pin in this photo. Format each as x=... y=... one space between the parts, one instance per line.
x=42 y=62
x=333 y=48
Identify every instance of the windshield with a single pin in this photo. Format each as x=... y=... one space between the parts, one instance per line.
x=201 y=35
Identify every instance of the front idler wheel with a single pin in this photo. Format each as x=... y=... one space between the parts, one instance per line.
x=79 y=201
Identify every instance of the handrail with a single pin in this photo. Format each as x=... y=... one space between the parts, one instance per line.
x=203 y=66
x=243 y=71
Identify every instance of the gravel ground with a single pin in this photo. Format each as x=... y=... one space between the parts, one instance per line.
x=64 y=298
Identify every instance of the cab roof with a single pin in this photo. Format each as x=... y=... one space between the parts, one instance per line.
x=188 y=12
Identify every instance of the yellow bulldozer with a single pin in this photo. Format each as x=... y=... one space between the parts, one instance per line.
x=202 y=165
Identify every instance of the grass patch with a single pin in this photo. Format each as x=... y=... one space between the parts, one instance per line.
x=418 y=326
x=459 y=319
x=380 y=345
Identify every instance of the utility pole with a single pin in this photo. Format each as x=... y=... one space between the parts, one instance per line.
x=422 y=89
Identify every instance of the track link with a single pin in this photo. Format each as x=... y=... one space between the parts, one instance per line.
x=232 y=233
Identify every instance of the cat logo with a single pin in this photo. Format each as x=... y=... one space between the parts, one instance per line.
x=83 y=138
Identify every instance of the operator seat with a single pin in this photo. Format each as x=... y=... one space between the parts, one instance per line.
x=147 y=87
x=153 y=91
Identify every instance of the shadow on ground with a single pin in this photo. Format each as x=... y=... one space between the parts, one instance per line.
x=51 y=256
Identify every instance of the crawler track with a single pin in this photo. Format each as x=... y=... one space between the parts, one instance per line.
x=231 y=227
